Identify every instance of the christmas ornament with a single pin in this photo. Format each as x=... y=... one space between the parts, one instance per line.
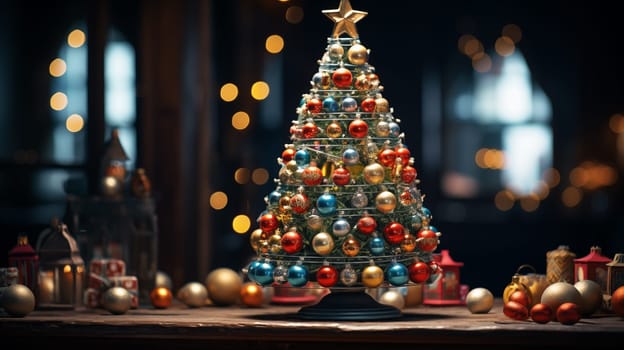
x=193 y=294
x=341 y=176
x=314 y=105
x=591 y=292
x=374 y=173
x=292 y=242
x=323 y=243
x=163 y=280
x=559 y=293
x=372 y=276
x=427 y=240
x=541 y=313
x=326 y=204
x=358 y=128
x=385 y=202
x=560 y=265
x=393 y=298
x=161 y=297
x=368 y=105
x=361 y=82
x=479 y=300
x=408 y=244
x=312 y=176
x=366 y=224
x=333 y=130
x=351 y=246
x=593 y=267
x=515 y=310
x=617 y=301
x=394 y=232
x=223 y=286
x=341 y=227
x=382 y=106
x=357 y=54
x=297 y=275
x=520 y=297
x=348 y=276
x=349 y=104
x=260 y=272
x=377 y=246
x=397 y=274
x=17 y=300
x=116 y=300
x=251 y=294
x=342 y=78
x=327 y=276
x=419 y=272
x=568 y=313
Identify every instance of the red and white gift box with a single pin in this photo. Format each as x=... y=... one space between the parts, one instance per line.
x=107 y=273
x=107 y=267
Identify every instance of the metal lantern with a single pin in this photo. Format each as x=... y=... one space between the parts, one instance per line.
x=615 y=273
x=446 y=289
x=25 y=259
x=593 y=267
x=61 y=270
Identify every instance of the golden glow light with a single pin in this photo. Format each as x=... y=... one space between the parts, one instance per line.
x=481 y=62
x=260 y=176
x=76 y=38
x=260 y=90
x=241 y=224
x=74 y=123
x=274 y=44
x=58 y=101
x=504 y=46
x=229 y=92
x=473 y=47
x=57 y=68
x=530 y=203
x=504 y=200
x=616 y=123
x=513 y=32
x=571 y=196
x=294 y=14
x=240 y=120
x=241 y=176
x=463 y=40
x=552 y=177
x=218 y=200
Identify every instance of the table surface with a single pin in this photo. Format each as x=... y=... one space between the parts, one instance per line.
x=281 y=326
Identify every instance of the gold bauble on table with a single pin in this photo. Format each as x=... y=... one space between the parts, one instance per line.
x=393 y=298
x=323 y=243
x=372 y=276
x=479 y=300
x=252 y=294
x=117 y=300
x=224 y=286
x=17 y=300
x=561 y=292
x=374 y=173
x=193 y=294
x=591 y=292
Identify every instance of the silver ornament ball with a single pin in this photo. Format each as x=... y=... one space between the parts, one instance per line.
x=479 y=300
x=591 y=292
x=17 y=300
x=117 y=300
x=392 y=298
x=193 y=294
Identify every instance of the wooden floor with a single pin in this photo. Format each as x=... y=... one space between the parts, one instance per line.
x=281 y=327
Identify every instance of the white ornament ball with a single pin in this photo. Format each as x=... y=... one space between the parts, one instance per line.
x=392 y=298
x=561 y=292
x=17 y=300
x=592 y=296
x=193 y=294
x=117 y=300
x=479 y=300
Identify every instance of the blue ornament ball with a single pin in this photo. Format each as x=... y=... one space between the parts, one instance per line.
x=341 y=227
x=350 y=156
x=349 y=104
x=397 y=274
x=297 y=275
x=395 y=129
x=274 y=197
x=263 y=274
x=251 y=270
x=330 y=105
x=302 y=158
x=377 y=246
x=326 y=204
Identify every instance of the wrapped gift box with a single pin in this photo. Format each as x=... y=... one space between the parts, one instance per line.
x=107 y=267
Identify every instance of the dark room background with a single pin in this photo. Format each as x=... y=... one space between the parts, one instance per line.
x=514 y=113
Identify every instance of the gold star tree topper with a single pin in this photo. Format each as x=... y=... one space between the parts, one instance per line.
x=345 y=18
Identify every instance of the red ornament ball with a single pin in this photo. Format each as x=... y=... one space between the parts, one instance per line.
x=309 y=130
x=268 y=222
x=404 y=154
x=251 y=294
x=367 y=224
x=617 y=301
x=521 y=297
x=427 y=240
x=341 y=176
x=408 y=174
x=161 y=297
x=358 y=128
x=394 y=232
x=292 y=242
x=327 y=276
x=515 y=311
x=541 y=313
x=312 y=176
x=314 y=105
x=419 y=272
x=568 y=313
x=342 y=78
x=387 y=157
x=368 y=105
x=288 y=154
x=299 y=203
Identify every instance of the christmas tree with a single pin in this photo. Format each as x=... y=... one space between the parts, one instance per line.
x=347 y=212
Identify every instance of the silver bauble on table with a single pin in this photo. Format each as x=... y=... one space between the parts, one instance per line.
x=479 y=300
x=117 y=300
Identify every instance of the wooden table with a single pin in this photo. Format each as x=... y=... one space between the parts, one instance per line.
x=280 y=327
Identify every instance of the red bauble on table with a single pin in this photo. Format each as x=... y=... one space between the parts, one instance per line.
x=521 y=297
x=617 y=301
x=568 y=313
x=419 y=272
x=541 y=313
x=515 y=310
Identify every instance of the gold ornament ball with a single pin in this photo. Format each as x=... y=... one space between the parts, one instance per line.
x=357 y=54
x=161 y=297
x=374 y=173
x=382 y=106
x=254 y=239
x=385 y=202
x=163 y=280
x=17 y=300
x=252 y=294
x=117 y=300
x=591 y=292
x=372 y=276
x=561 y=292
x=392 y=298
x=479 y=300
x=336 y=51
x=224 y=286
x=193 y=294
x=315 y=222
x=323 y=243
